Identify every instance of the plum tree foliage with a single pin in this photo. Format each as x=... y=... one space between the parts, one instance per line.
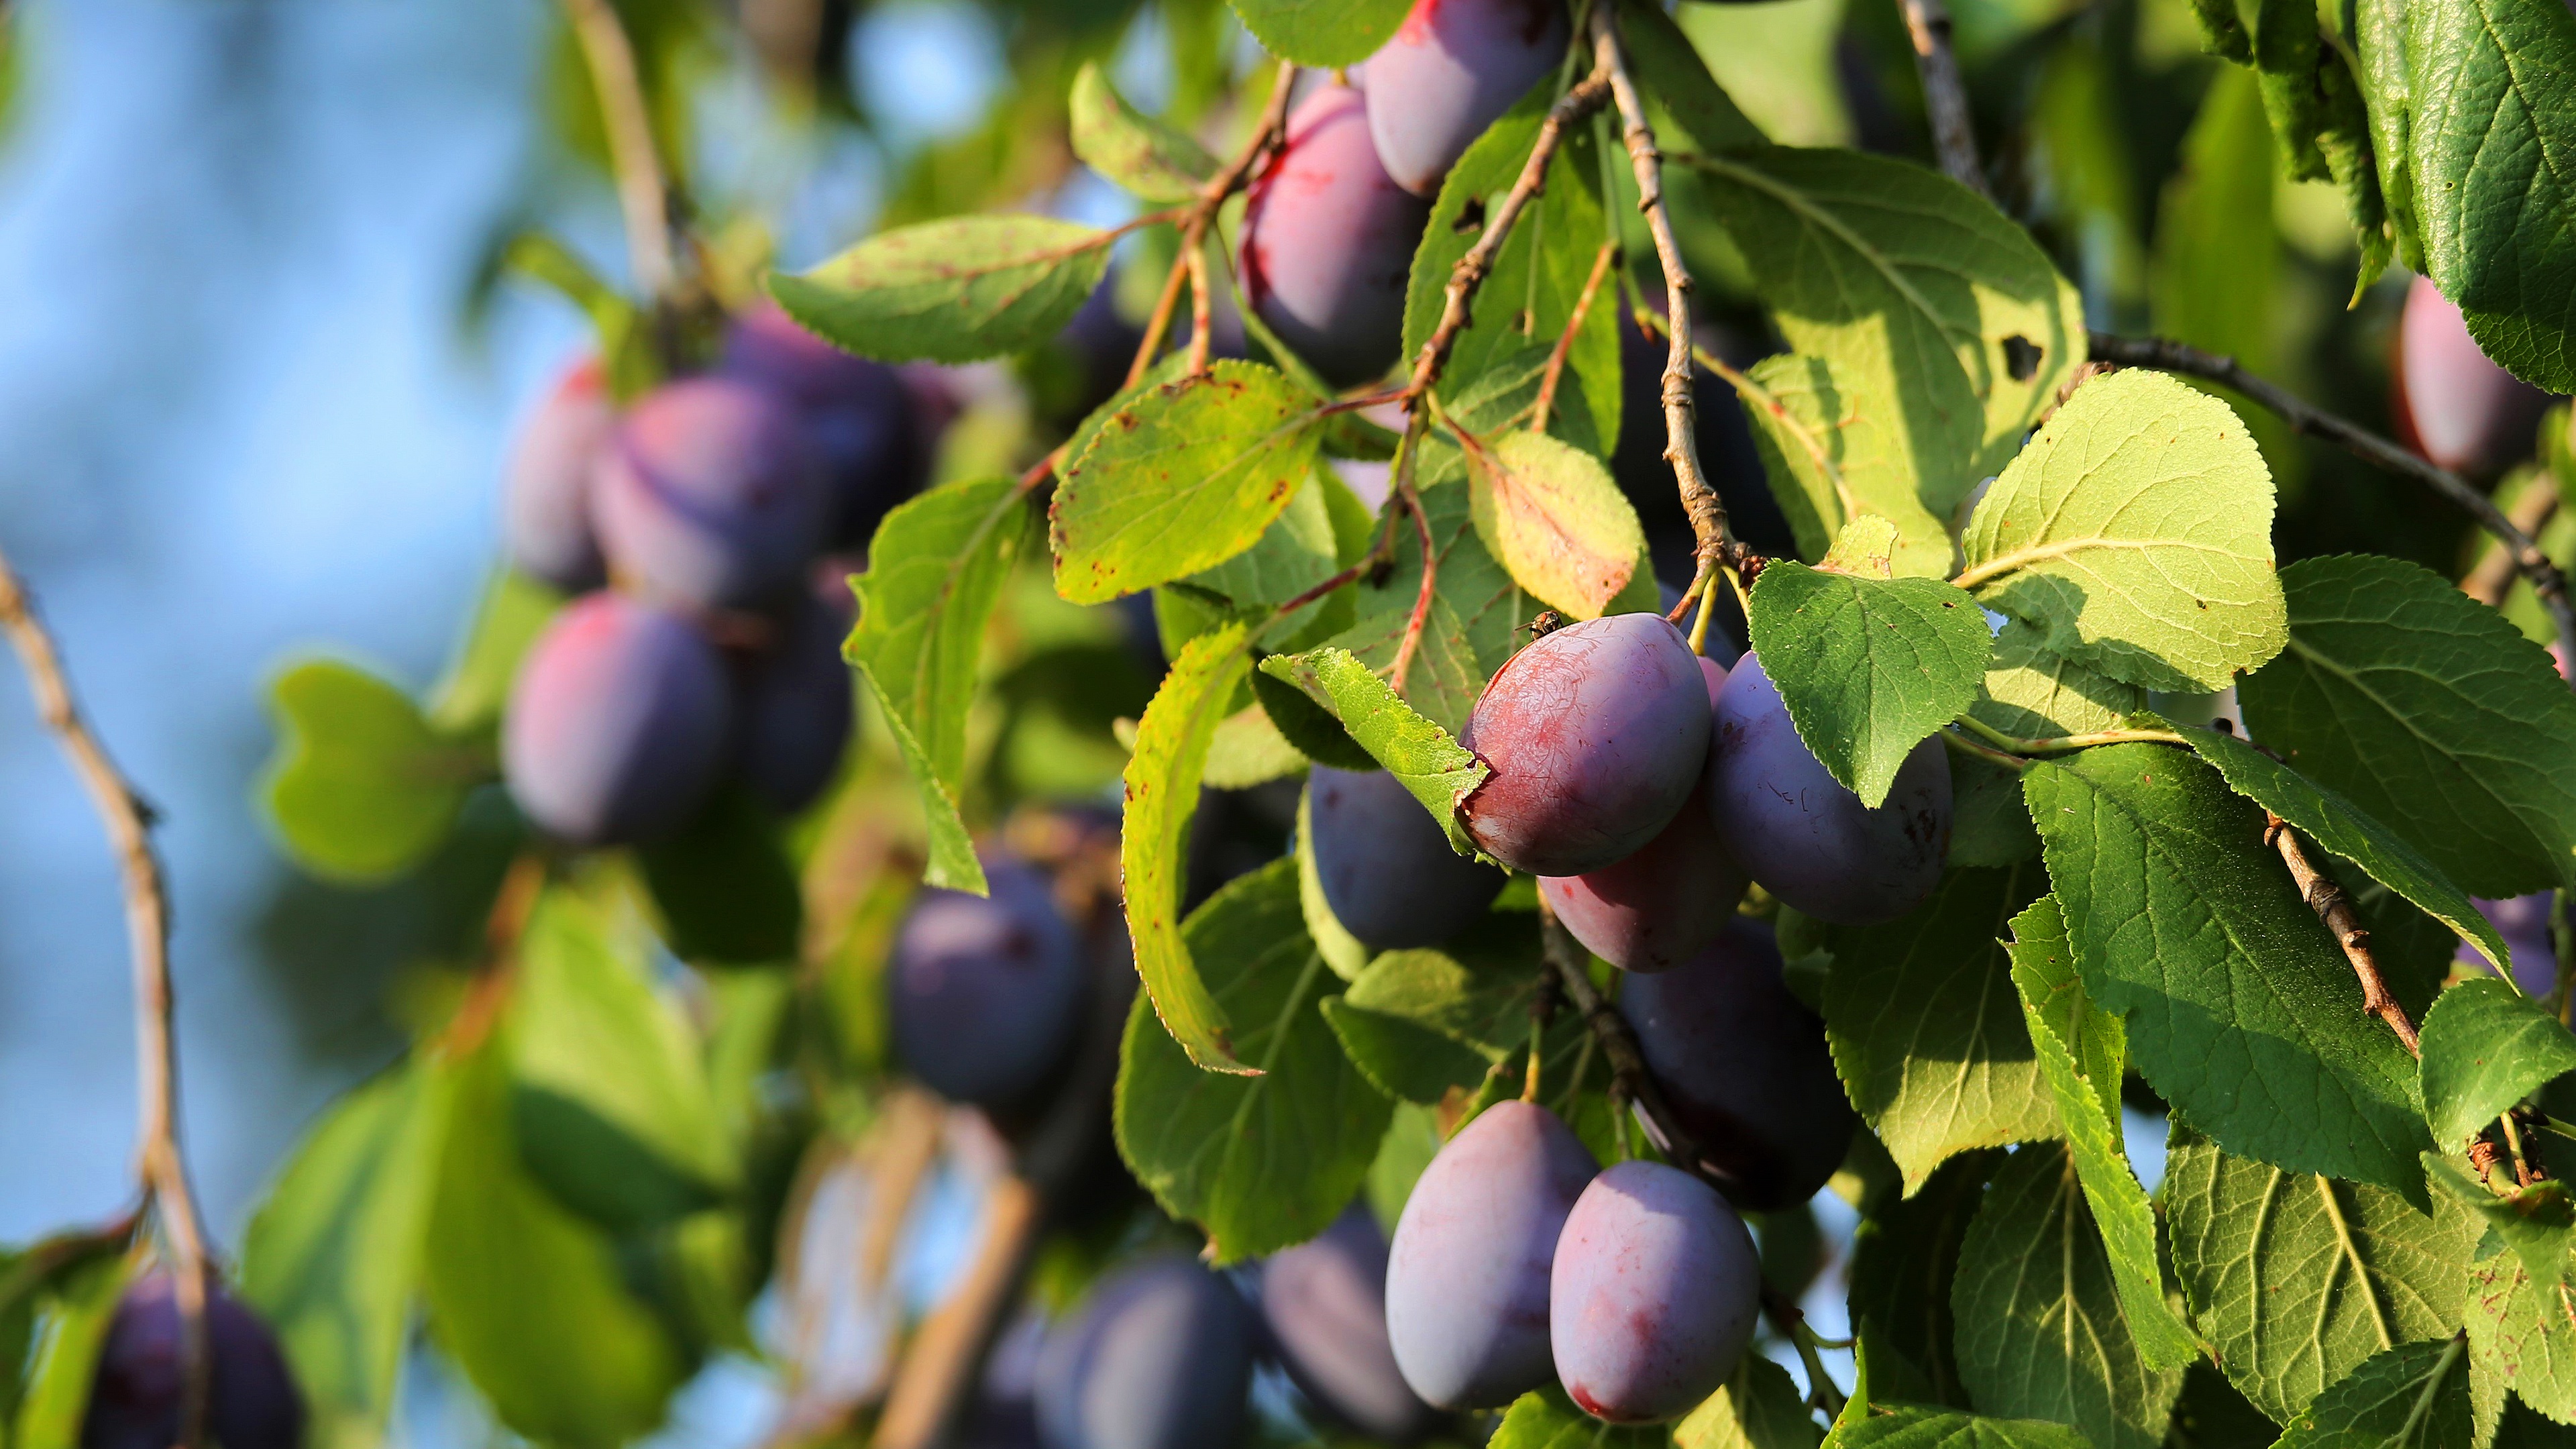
x=1230 y=781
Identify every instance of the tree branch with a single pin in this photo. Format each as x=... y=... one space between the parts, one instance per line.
x=147 y=922
x=1190 y=263
x=642 y=195
x=2335 y=909
x=2531 y=513
x=1945 y=99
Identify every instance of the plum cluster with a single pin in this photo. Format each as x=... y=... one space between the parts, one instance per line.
x=704 y=644
x=985 y=994
x=134 y=1402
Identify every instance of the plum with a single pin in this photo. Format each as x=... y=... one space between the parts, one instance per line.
x=861 y=418
x=1159 y=1356
x=1805 y=838
x=1467 y=1274
x=1596 y=734
x=709 y=496
x=1657 y=908
x=618 y=723
x=795 y=708
x=2457 y=407
x=1386 y=866
x=2524 y=923
x=1328 y=241
x=986 y=992
x=251 y=1398
x=1452 y=69
x=1325 y=1305
x=1653 y=1295
x=545 y=495
x=1744 y=1068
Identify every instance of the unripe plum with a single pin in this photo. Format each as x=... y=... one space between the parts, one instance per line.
x=1328 y=241
x=545 y=495
x=1596 y=734
x=1467 y=1274
x=986 y=992
x=1325 y=1304
x=1385 y=864
x=796 y=709
x=251 y=1402
x=1452 y=69
x=1805 y=838
x=861 y=419
x=1159 y=1356
x=709 y=496
x=1744 y=1068
x=618 y=723
x=1653 y=1296
x=2461 y=410
x=1657 y=908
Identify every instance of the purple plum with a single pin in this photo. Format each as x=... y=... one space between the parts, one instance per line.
x=1453 y=68
x=1159 y=1356
x=618 y=723
x=710 y=497
x=545 y=497
x=1386 y=866
x=252 y=1401
x=1325 y=1304
x=1328 y=241
x=986 y=992
x=2457 y=407
x=1653 y=1295
x=795 y=708
x=862 y=418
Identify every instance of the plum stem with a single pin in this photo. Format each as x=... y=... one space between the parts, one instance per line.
x=1945 y=99
x=1190 y=263
x=2528 y=560
x=643 y=197
x=1785 y=1316
x=2334 y=908
x=129 y=820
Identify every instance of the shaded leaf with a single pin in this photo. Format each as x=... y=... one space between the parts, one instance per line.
x=1345 y=953
x=2413 y=1396
x=2486 y=1047
x=1670 y=69
x=1473 y=626
x=958 y=290
x=1905 y=1256
x=727 y=893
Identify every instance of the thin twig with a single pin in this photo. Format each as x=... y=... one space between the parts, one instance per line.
x=642 y=195
x=2531 y=512
x=1945 y=99
x=2332 y=907
x=147 y=923
x=1555 y=374
x=2528 y=560
x=1202 y=306
x=1191 y=263
x=952 y=1339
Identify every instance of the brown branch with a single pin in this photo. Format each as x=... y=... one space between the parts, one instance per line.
x=2335 y=909
x=1945 y=99
x=938 y=1367
x=1628 y=1073
x=1555 y=374
x=1411 y=500
x=2531 y=512
x=2528 y=560
x=1202 y=306
x=642 y=195
x=1190 y=263
x=147 y=922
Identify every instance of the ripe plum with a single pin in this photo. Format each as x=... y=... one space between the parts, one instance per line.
x=709 y=496
x=860 y=417
x=1653 y=1295
x=1386 y=867
x=986 y=991
x=2458 y=408
x=1325 y=1304
x=1328 y=241
x=545 y=496
x=796 y=709
x=252 y=1401
x=618 y=723
x=1159 y=1356
x=1453 y=67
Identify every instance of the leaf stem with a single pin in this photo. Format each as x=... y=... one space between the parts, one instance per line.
x=1555 y=373
x=1945 y=99
x=2327 y=899
x=1191 y=262
x=1966 y=745
x=2058 y=744
x=1822 y=1391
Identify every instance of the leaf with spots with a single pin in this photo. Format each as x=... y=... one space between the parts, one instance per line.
x=958 y=290
x=1550 y=512
x=1162 y=785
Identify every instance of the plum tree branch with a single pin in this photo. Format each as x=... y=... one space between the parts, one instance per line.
x=2334 y=908
x=643 y=197
x=129 y=820
x=2531 y=512
x=1945 y=98
x=2528 y=560
x=1191 y=263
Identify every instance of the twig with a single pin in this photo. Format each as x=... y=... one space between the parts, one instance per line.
x=952 y=1339
x=641 y=193
x=1191 y=263
x=2532 y=510
x=1202 y=308
x=1785 y=1316
x=1765 y=399
x=1945 y=100
x=147 y=924
x=1555 y=374
x=2332 y=907
x=1629 y=1075
x=2528 y=560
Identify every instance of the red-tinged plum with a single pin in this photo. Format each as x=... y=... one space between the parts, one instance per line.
x=1744 y=1068
x=545 y=497
x=1466 y=1276
x=251 y=1403
x=795 y=709
x=709 y=496
x=2457 y=407
x=619 y=723
x=1453 y=67
x=986 y=992
x=1325 y=1305
x=863 y=421
x=1158 y=1356
x=1660 y=906
x=1386 y=866
x=1328 y=241
x=1653 y=1296
x=1597 y=734
x=1805 y=838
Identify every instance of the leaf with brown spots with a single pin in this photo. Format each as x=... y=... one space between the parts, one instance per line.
x=959 y=290
x=1550 y=512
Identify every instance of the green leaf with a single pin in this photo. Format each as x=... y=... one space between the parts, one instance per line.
x=1907 y=1426
x=2041 y=1330
x=1298 y=551
x=2537 y=1221
x=2486 y=1047
x=1547 y=1419
x=72 y=1314
x=2082 y=1051
x=1162 y=795
x=958 y=290
x=2491 y=146
x=2241 y=1010
x=2522 y=1330
x=1833 y=450
x=1551 y=514
x=2217 y=254
x=609 y=1101
x=1265 y=1160
x=333 y=1257
x=935 y=569
x=1868 y=667
x=2346 y=829
x=2413 y=1396
x=1419 y=753
x=513 y=611
x=2037 y=694
x=2425 y=708
x=1927 y=1031
x=2135 y=534
x=1670 y=69
x=1419 y=1022
x=2296 y=1280
x=1760 y=1408
x=362 y=788
x=1184 y=478
x=1917 y=289
x=526 y=1298
x=727 y=893
x=1905 y=1255
x=1130 y=149
x=1472 y=629
x=1324 y=33
x=1347 y=954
